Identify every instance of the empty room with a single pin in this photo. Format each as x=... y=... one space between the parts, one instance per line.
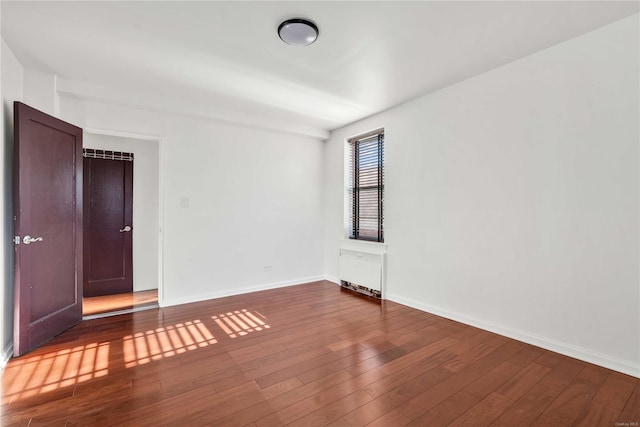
x=345 y=213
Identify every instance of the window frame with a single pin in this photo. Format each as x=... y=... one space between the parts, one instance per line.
x=354 y=214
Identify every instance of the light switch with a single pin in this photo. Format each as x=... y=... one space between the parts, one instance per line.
x=184 y=202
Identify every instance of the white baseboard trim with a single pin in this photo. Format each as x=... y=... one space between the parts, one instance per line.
x=168 y=302
x=574 y=351
x=7 y=353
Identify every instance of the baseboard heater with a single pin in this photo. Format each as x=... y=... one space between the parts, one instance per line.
x=362 y=267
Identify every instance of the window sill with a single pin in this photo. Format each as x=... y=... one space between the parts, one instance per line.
x=364 y=245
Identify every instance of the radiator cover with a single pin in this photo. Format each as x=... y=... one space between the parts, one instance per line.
x=363 y=264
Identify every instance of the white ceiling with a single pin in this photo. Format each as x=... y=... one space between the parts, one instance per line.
x=224 y=59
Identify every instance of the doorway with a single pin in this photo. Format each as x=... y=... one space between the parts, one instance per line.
x=143 y=231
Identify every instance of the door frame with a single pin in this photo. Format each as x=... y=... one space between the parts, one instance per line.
x=160 y=140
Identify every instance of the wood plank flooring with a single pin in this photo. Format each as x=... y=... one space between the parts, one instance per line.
x=311 y=354
x=116 y=302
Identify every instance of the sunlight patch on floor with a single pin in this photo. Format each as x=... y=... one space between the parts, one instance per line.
x=51 y=371
x=240 y=322
x=155 y=344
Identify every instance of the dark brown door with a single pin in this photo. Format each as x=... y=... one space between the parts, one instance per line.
x=48 y=227
x=108 y=228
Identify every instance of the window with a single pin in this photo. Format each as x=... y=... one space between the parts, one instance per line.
x=366 y=187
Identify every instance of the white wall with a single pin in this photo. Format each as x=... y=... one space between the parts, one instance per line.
x=40 y=92
x=512 y=199
x=11 y=90
x=236 y=200
x=145 y=202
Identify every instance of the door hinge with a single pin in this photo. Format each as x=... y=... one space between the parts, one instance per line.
x=16 y=240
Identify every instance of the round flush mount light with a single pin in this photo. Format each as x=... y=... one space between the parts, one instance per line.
x=298 y=32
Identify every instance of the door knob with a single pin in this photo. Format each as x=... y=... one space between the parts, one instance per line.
x=126 y=229
x=28 y=239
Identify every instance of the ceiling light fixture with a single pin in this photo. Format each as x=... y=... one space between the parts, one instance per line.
x=298 y=32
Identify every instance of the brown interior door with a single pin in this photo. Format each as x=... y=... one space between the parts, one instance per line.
x=108 y=213
x=48 y=227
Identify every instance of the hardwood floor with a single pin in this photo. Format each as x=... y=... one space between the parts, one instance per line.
x=304 y=355
x=109 y=303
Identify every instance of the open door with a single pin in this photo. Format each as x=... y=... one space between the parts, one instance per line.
x=48 y=227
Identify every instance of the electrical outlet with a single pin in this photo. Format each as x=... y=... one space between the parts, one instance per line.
x=267 y=268
x=184 y=202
